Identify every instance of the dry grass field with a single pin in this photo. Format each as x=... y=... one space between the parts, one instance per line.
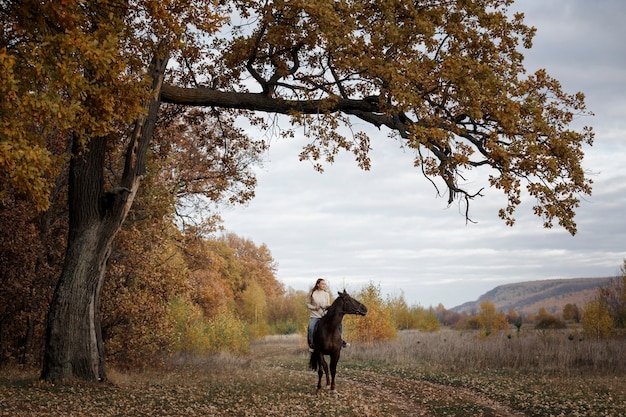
x=419 y=374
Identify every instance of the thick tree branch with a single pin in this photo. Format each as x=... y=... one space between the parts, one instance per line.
x=366 y=109
x=260 y=102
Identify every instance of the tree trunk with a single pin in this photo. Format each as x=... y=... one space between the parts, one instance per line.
x=74 y=346
x=73 y=338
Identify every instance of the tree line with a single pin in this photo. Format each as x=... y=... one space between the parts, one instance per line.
x=173 y=289
x=158 y=275
x=169 y=290
x=172 y=286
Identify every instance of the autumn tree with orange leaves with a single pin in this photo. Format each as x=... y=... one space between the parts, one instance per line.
x=444 y=79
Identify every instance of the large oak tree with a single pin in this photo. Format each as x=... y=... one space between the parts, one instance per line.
x=444 y=78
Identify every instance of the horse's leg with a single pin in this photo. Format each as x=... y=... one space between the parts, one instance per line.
x=325 y=365
x=319 y=380
x=321 y=364
x=334 y=359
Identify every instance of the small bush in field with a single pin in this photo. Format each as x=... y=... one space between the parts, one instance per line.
x=549 y=322
x=490 y=320
x=285 y=327
x=415 y=317
x=426 y=319
x=225 y=332
x=597 y=321
x=193 y=333
x=377 y=325
x=187 y=327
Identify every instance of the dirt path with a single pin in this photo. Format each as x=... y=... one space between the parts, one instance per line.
x=370 y=393
x=272 y=381
x=400 y=397
x=413 y=396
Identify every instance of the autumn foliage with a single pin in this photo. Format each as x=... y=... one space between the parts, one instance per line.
x=377 y=324
x=605 y=316
x=104 y=87
x=167 y=291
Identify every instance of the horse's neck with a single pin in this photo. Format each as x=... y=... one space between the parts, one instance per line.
x=334 y=320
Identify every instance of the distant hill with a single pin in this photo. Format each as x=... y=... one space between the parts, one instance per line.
x=528 y=297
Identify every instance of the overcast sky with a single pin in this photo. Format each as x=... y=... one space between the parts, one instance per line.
x=388 y=227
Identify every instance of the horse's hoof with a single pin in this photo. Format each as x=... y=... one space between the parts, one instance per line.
x=319 y=391
x=334 y=392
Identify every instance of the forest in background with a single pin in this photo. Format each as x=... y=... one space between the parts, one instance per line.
x=175 y=285
x=174 y=289
x=178 y=284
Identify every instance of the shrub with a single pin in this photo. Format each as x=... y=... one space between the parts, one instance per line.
x=377 y=325
x=425 y=319
x=548 y=321
x=226 y=332
x=193 y=333
x=597 y=321
x=490 y=320
x=186 y=319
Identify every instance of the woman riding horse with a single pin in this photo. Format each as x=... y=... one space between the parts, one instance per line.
x=327 y=338
x=318 y=302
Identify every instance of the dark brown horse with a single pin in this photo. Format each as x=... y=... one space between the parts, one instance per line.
x=327 y=339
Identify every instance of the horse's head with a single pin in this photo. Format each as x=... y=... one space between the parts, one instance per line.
x=350 y=305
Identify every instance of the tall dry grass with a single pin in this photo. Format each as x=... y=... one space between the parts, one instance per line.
x=454 y=351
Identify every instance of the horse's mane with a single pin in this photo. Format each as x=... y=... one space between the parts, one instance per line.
x=335 y=305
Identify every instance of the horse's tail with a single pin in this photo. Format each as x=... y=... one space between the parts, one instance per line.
x=314 y=362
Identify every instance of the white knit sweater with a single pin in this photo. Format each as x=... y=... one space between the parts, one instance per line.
x=318 y=298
